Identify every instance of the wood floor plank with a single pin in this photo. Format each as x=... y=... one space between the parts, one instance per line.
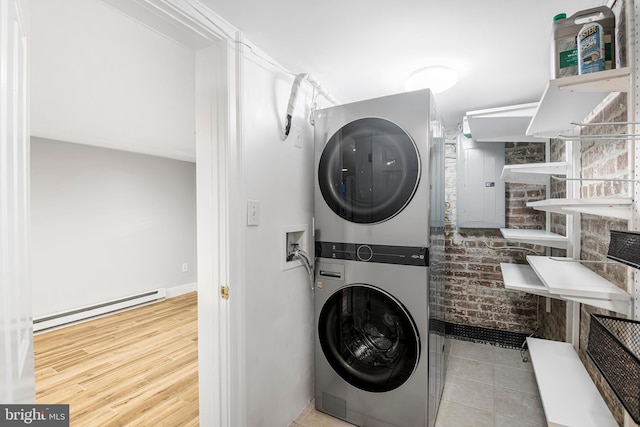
x=62 y=395
x=85 y=371
x=122 y=342
x=45 y=373
x=167 y=417
x=137 y=368
x=104 y=416
x=123 y=391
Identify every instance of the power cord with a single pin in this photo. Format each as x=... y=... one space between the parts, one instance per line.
x=523 y=348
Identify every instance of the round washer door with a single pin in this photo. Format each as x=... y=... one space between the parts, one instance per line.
x=369 y=170
x=368 y=338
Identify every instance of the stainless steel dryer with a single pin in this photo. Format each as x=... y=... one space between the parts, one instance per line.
x=372 y=328
x=372 y=170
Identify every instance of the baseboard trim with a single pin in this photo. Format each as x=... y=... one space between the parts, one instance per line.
x=176 y=291
x=81 y=314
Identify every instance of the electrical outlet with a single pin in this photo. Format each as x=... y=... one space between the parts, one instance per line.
x=185 y=267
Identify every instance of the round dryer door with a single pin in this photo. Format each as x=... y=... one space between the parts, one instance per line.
x=369 y=170
x=368 y=338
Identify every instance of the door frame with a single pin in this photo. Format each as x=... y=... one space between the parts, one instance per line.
x=219 y=192
x=17 y=383
x=217 y=47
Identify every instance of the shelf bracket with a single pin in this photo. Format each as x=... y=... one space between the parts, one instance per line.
x=604 y=124
x=599 y=137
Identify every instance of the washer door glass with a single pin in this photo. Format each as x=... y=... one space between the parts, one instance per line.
x=368 y=338
x=369 y=171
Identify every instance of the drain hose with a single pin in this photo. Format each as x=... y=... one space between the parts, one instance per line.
x=306 y=262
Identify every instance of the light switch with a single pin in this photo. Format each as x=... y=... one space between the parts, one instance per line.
x=297 y=136
x=253 y=212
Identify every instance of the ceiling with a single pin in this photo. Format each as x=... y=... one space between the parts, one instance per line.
x=360 y=49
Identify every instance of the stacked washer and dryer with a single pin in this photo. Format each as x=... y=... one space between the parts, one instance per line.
x=379 y=231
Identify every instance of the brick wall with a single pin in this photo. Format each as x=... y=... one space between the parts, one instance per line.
x=603 y=160
x=474 y=286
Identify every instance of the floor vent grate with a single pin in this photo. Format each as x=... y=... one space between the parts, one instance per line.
x=506 y=339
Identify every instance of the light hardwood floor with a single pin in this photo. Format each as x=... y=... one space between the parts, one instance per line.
x=134 y=368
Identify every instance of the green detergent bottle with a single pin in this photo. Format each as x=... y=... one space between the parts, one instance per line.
x=564 y=44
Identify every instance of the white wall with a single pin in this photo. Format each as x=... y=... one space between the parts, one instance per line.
x=279 y=304
x=102 y=228
x=100 y=78
x=107 y=224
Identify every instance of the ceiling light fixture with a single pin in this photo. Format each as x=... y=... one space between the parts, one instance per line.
x=438 y=78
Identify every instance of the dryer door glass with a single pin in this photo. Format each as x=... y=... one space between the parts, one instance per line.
x=369 y=170
x=369 y=338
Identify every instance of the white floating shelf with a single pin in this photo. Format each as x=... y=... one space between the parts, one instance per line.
x=519 y=277
x=569 y=396
x=523 y=278
x=607 y=207
x=533 y=173
x=570 y=99
x=572 y=279
x=535 y=237
x=503 y=124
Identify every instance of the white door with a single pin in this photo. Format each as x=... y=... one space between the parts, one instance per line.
x=17 y=383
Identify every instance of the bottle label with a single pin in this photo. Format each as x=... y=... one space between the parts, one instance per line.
x=591 y=53
x=569 y=58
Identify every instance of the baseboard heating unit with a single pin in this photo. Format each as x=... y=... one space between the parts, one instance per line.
x=84 y=313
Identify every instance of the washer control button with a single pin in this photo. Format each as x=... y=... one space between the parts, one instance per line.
x=365 y=253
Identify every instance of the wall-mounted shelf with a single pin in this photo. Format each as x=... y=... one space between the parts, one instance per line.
x=569 y=396
x=607 y=207
x=570 y=99
x=520 y=277
x=572 y=280
x=535 y=237
x=524 y=278
x=502 y=124
x=533 y=173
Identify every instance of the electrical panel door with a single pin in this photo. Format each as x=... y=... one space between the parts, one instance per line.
x=480 y=191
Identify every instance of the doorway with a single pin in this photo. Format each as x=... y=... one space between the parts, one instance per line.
x=212 y=69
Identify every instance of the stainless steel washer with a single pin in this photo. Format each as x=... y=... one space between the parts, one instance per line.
x=372 y=329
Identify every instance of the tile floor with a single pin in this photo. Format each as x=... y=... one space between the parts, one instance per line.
x=485 y=386
x=489 y=386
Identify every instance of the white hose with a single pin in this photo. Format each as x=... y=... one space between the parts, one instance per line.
x=297 y=82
